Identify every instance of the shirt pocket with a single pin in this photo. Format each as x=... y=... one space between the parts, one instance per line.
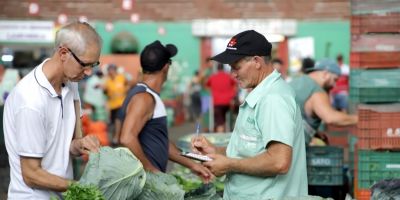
x=250 y=142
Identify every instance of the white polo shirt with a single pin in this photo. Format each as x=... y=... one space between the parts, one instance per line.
x=39 y=123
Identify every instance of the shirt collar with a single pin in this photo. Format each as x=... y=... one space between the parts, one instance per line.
x=41 y=79
x=262 y=88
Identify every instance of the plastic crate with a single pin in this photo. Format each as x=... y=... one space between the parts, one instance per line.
x=374 y=166
x=363 y=194
x=374 y=7
x=375 y=59
x=372 y=23
x=375 y=95
x=378 y=126
x=375 y=42
x=325 y=165
x=375 y=85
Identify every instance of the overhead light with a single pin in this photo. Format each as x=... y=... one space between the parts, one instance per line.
x=62 y=18
x=33 y=8
x=161 y=30
x=126 y=4
x=135 y=18
x=109 y=26
x=7 y=58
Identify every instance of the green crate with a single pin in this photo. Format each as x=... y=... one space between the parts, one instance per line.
x=375 y=85
x=352 y=146
x=375 y=95
x=325 y=165
x=374 y=166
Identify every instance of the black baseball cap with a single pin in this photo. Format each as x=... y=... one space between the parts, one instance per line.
x=155 y=55
x=247 y=43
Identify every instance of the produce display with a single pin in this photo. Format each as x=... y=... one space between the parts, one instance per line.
x=193 y=186
x=161 y=186
x=78 y=191
x=116 y=172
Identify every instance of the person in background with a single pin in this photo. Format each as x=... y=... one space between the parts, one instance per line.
x=265 y=157
x=223 y=91
x=40 y=117
x=306 y=64
x=195 y=87
x=143 y=115
x=8 y=79
x=115 y=87
x=205 y=95
x=93 y=96
x=311 y=95
x=340 y=92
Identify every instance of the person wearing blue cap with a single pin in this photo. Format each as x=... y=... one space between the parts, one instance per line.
x=144 y=118
x=311 y=95
x=265 y=157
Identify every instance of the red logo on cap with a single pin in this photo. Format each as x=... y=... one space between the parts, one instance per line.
x=232 y=42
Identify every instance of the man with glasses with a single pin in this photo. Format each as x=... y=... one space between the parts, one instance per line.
x=144 y=118
x=265 y=157
x=40 y=117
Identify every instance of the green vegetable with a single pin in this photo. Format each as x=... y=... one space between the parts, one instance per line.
x=161 y=186
x=78 y=191
x=116 y=172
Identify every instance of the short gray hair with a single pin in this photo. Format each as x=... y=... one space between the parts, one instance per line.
x=77 y=36
x=267 y=59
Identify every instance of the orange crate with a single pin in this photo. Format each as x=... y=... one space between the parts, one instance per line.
x=363 y=194
x=371 y=23
x=378 y=126
x=375 y=59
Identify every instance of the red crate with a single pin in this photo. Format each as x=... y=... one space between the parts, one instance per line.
x=375 y=42
x=371 y=23
x=375 y=59
x=366 y=141
x=378 y=126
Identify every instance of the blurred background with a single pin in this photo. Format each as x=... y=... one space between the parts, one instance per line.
x=364 y=32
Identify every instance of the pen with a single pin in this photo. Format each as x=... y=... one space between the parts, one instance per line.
x=197 y=129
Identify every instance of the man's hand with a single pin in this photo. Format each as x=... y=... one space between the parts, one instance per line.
x=201 y=171
x=89 y=143
x=202 y=146
x=219 y=166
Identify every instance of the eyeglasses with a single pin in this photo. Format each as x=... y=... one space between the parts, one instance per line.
x=91 y=65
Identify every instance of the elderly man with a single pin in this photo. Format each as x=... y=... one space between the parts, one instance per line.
x=40 y=117
x=265 y=157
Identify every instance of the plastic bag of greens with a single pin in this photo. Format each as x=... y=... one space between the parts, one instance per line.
x=161 y=186
x=116 y=172
x=205 y=192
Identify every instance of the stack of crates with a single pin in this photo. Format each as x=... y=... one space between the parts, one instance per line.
x=325 y=166
x=375 y=86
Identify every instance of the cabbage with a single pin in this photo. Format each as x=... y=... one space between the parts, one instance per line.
x=161 y=186
x=116 y=172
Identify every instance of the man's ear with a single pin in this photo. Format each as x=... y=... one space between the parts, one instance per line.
x=258 y=61
x=63 y=53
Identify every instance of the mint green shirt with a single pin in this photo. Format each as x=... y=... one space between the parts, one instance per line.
x=269 y=113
